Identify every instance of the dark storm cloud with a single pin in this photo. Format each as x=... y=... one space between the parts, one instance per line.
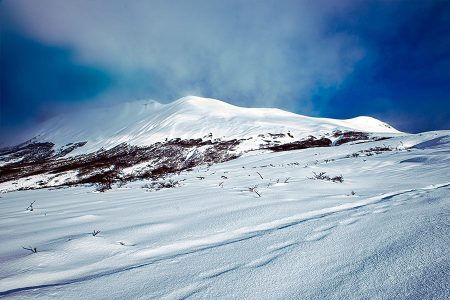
x=34 y=73
x=37 y=79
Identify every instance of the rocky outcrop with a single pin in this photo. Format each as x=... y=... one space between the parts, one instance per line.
x=124 y=163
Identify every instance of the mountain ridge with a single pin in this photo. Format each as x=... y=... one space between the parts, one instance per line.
x=146 y=122
x=150 y=140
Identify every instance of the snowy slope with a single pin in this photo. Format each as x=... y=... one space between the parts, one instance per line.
x=147 y=122
x=213 y=237
x=118 y=144
x=228 y=216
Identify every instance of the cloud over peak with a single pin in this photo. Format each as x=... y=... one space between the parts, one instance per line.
x=267 y=53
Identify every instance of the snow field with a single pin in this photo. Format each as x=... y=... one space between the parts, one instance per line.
x=214 y=238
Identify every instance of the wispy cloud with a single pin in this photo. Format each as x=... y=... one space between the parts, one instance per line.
x=256 y=53
x=342 y=58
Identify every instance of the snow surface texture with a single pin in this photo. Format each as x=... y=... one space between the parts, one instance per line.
x=146 y=122
x=383 y=233
x=362 y=220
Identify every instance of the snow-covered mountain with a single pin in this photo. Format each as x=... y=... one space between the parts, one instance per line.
x=146 y=122
x=149 y=140
x=199 y=199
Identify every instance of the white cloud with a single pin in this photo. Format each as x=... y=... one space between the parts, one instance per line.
x=255 y=53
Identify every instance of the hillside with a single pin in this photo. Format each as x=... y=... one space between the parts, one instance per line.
x=139 y=140
x=343 y=209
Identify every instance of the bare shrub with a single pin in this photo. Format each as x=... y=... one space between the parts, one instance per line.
x=103 y=187
x=159 y=185
x=378 y=149
x=339 y=179
x=320 y=176
x=30 y=207
x=323 y=176
x=254 y=190
x=32 y=249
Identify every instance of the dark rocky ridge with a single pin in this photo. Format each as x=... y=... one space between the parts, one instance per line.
x=310 y=142
x=107 y=167
x=104 y=167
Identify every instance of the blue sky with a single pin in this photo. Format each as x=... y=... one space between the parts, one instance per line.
x=340 y=59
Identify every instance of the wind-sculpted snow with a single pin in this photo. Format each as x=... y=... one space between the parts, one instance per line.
x=143 y=257
x=204 y=233
x=206 y=200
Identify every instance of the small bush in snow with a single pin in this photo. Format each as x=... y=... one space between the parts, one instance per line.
x=158 y=185
x=339 y=178
x=103 y=187
x=95 y=232
x=254 y=190
x=323 y=176
x=320 y=176
x=33 y=250
x=30 y=207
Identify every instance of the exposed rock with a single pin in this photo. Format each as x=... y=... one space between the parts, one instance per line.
x=106 y=167
x=310 y=142
x=349 y=136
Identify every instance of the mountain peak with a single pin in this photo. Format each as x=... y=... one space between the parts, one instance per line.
x=147 y=122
